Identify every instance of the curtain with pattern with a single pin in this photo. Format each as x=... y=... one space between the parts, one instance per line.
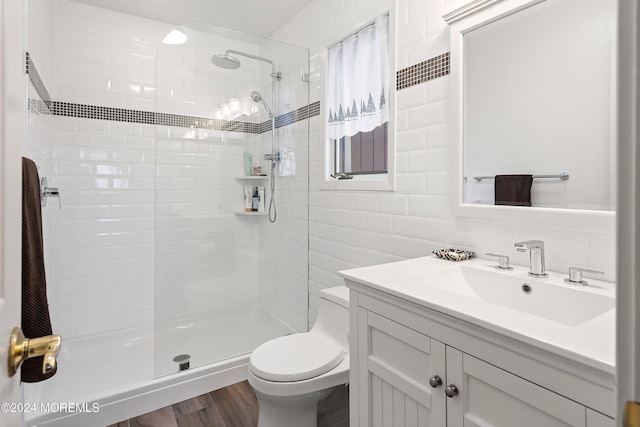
x=358 y=81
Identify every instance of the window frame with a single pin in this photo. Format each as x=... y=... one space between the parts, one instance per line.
x=362 y=182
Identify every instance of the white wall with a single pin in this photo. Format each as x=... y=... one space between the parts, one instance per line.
x=105 y=275
x=102 y=241
x=206 y=257
x=147 y=231
x=351 y=229
x=284 y=244
x=38 y=143
x=39 y=36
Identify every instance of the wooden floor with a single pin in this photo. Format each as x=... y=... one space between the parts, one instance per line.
x=234 y=406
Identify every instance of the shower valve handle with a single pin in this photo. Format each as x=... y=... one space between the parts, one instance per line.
x=274 y=157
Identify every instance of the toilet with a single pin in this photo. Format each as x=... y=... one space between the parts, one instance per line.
x=290 y=374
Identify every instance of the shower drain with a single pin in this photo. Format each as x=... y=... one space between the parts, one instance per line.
x=183 y=361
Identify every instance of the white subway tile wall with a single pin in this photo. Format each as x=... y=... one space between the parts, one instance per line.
x=39 y=37
x=104 y=58
x=102 y=262
x=113 y=266
x=416 y=219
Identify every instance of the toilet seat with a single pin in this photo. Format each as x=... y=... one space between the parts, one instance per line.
x=295 y=357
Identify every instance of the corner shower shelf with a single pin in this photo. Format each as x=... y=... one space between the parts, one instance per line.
x=242 y=178
x=252 y=213
x=251 y=177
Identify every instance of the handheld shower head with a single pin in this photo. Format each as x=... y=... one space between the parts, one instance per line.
x=256 y=97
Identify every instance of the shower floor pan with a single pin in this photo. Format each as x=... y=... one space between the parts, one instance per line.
x=110 y=377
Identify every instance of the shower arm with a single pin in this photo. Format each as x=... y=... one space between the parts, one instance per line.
x=274 y=156
x=275 y=74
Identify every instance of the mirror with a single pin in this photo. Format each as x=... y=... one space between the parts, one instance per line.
x=535 y=95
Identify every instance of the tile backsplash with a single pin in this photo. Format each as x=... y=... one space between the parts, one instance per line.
x=103 y=67
x=350 y=229
x=432 y=68
x=149 y=197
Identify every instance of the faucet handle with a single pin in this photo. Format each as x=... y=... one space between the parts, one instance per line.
x=575 y=275
x=528 y=244
x=503 y=261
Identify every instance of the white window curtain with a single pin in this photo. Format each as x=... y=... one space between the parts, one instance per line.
x=358 y=81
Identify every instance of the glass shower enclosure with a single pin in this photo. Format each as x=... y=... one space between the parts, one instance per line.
x=227 y=278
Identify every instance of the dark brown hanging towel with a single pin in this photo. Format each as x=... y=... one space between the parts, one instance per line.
x=513 y=190
x=35 y=309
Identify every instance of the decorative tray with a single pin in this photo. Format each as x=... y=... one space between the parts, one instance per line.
x=453 y=254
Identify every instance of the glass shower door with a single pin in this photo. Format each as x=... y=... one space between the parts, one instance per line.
x=227 y=280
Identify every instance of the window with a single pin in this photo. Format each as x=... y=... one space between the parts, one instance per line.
x=359 y=132
x=363 y=153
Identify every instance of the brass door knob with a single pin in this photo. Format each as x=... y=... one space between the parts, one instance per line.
x=21 y=349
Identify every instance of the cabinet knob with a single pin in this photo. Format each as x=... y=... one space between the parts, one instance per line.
x=451 y=390
x=435 y=381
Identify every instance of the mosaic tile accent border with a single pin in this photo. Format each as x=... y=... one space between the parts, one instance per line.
x=38 y=106
x=302 y=113
x=34 y=76
x=291 y=117
x=430 y=69
x=85 y=111
x=70 y=109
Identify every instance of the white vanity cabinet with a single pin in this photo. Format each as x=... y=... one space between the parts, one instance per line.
x=489 y=396
x=394 y=366
x=406 y=361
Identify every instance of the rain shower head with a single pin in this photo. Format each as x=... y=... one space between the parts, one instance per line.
x=256 y=97
x=224 y=60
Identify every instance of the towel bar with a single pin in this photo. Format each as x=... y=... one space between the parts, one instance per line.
x=562 y=175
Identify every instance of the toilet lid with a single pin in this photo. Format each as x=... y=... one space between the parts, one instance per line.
x=295 y=357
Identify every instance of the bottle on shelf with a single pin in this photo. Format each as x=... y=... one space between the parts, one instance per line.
x=260 y=189
x=255 y=201
x=248 y=198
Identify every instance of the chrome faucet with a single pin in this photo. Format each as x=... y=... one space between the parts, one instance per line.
x=536 y=256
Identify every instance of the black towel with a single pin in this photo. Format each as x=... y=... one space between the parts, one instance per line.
x=35 y=309
x=513 y=190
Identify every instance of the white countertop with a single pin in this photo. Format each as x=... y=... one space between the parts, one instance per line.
x=591 y=343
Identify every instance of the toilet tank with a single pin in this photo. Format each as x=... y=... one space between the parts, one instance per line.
x=333 y=315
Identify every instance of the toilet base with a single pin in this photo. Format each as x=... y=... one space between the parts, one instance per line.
x=290 y=411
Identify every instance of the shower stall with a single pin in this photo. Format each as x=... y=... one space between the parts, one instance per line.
x=227 y=279
x=197 y=282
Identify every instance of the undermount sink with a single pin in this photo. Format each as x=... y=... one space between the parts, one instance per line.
x=569 y=305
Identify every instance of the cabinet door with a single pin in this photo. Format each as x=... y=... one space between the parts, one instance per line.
x=490 y=397
x=394 y=367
